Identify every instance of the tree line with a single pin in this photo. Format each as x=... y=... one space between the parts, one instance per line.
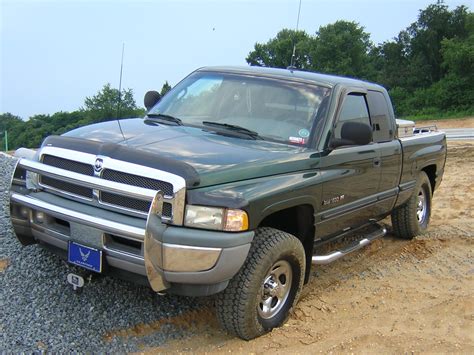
x=428 y=69
x=107 y=104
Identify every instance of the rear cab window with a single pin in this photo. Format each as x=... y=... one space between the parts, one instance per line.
x=380 y=117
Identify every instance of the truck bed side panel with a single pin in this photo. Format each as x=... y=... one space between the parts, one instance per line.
x=424 y=151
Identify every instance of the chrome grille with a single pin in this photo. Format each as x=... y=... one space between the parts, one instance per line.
x=67 y=187
x=136 y=180
x=69 y=165
x=133 y=203
x=125 y=202
x=167 y=210
x=110 y=199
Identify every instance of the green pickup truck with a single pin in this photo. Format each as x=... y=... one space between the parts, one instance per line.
x=230 y=185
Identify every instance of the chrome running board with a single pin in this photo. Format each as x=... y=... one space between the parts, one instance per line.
x=329 y=258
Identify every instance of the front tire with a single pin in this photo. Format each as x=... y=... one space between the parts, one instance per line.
x=262 y=294
x=413 y=217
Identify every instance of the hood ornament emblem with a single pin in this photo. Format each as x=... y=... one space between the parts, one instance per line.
x=98 y=165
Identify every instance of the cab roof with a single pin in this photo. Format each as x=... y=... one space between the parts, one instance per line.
x=294 y=74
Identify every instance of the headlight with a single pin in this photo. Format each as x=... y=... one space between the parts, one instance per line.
x=216 y=218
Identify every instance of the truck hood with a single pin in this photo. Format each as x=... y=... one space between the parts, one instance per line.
x=216 y=158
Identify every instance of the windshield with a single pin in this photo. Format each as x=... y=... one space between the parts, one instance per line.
x=278 y=110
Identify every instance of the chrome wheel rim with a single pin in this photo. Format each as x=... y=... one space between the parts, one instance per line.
x=421 y=208
x=275 y=289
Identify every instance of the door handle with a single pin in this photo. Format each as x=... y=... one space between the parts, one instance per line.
x=377 y=162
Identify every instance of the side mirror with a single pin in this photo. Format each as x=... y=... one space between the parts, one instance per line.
x=353 y=133
x=151 y=99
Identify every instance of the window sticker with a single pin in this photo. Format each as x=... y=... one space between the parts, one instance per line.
x=297 y=140
x=303 y=132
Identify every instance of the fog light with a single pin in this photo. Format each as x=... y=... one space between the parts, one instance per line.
x=39 y=216
x=24 y=212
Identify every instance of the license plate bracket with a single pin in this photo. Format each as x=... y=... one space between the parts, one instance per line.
x=84 y=256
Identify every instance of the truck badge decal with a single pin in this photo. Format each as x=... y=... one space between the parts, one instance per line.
x=98 y=165
x=332 y=200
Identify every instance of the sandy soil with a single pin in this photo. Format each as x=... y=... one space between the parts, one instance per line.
x=395 y=296
x=466 y=122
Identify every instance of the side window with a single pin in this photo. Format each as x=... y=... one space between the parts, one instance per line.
x=379 y=114
x=354 y=109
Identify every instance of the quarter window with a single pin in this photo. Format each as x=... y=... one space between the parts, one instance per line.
x=382 y=130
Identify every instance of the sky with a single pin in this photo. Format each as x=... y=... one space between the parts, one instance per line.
x=55 y=53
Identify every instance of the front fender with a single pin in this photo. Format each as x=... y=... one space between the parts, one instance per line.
x=262 y=196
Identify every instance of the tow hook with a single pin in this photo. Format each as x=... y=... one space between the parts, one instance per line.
x=77 y=282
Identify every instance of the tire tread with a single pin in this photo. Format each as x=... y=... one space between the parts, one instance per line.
x=404 y=222
x=232 y=303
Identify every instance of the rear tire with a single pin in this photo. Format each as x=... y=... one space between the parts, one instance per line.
x=262 y=294
x=413 y=217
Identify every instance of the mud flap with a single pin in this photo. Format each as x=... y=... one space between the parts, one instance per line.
x=153 y=245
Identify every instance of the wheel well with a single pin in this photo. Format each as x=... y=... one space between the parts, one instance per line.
x=430 y=170
x=298 y=221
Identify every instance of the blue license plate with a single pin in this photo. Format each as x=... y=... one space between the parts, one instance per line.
x=88 y=258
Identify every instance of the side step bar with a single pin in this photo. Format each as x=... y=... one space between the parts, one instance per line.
x=329 y=258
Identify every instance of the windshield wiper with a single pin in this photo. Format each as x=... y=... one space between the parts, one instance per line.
x=164 y=117
x=232 y=127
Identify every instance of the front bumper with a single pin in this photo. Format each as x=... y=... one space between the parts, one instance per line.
x=168 y=256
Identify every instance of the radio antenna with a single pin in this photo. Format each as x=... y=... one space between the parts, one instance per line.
x=292 y=62
x=120 y=93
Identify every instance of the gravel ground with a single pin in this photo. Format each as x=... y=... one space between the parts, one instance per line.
x=41 y=312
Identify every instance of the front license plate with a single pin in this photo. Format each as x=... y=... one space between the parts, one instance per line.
x=88 y=258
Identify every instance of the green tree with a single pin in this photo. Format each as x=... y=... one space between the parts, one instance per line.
x=391 y=61
x=434 y=24
x=415 y=58
x=428 y=67
x=165 y=88
x=277 y=52
x=107 y=104
x=13 y=125
x=342 y=48
x=456 y=89
x=100 y=107
x=458 y=52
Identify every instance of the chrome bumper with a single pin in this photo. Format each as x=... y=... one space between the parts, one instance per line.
x=75 y=216
x=158 y=258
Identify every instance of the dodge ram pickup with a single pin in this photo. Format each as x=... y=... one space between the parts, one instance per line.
x=230 y=185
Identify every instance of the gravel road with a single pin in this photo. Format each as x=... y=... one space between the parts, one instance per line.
x=41 y=312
